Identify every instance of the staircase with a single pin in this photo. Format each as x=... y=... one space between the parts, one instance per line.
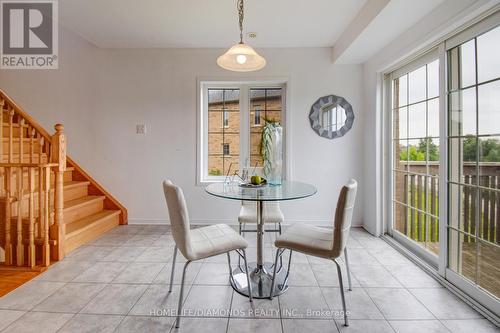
x=49 y=205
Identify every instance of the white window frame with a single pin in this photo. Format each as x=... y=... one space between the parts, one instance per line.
x=427 y=58
x=484 y=301
x=244 y=85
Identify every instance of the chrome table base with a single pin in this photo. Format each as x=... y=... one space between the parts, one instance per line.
x=261 y=279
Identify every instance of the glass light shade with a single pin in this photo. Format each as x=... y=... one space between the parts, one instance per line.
x=241 y=58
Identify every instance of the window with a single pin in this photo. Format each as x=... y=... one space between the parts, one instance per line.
x=232 y=118
x=269 y=102
x=223 y=105
x=225 y=149
x=474 y=160
x=444 y=171
x=415 y=128
x=225 y=118
x=256 y=118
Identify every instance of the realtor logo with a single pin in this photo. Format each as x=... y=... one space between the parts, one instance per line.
x=29 y=34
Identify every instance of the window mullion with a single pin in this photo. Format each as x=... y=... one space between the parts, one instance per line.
x=443 y=161
x=244 y=126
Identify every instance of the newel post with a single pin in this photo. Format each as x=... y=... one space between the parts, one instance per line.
x=58 y=155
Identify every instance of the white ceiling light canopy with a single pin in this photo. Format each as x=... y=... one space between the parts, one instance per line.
x=241 y=57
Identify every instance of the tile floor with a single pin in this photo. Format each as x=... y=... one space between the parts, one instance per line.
x=118 y=283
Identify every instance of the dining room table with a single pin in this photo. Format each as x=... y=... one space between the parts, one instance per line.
x=261 y=272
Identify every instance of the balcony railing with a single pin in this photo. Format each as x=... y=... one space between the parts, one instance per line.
x=420 y=192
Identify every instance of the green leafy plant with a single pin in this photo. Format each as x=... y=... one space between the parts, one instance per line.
x=419 y=152
x=489 y=150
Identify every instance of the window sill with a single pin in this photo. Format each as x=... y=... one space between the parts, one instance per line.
x=206 y=182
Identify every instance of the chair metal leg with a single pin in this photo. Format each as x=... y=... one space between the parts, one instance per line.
x=288 y=269
x=229 y=266
x=348 y=269
x=279 y=232
x=181 y=295
x=341 y=283
x=247 y=271
x=274 y=273
x=173 y=270
x=241 y=232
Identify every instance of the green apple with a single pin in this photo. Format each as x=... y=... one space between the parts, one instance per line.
x=256 y=180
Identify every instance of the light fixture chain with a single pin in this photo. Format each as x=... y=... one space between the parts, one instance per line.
x=241 y=15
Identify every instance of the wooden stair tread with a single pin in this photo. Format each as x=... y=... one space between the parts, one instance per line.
x=74 y=183
x=16 y=153
x=16 y=139
x=67 y=185
x=76 y=203
x=68 y=205
x=40 y=241
x=81 y=225
x=68 y=169
x=84 y=208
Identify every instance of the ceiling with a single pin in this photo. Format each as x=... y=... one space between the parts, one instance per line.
x=394 y=18
x=207 y=23
x=355 y=29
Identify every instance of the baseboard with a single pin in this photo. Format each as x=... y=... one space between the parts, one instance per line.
x=317 y=222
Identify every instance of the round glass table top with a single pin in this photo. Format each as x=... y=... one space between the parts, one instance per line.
x=288 y=190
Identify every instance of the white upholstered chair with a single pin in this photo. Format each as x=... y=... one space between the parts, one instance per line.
x=248 y=211
x=271 y=214
x=323 y=242
x=199 y=243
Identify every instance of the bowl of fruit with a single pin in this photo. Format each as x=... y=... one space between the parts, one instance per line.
x=255 y=181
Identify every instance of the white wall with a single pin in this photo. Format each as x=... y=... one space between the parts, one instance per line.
x=444 y=20
x=101 y=94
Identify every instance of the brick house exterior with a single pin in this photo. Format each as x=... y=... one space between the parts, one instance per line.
x=224 y=126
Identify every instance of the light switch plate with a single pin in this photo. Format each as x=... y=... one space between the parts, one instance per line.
x=140 y=129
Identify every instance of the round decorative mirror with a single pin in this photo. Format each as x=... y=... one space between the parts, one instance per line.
x=331 y=116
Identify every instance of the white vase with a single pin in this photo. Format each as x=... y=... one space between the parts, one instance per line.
x=273 y=166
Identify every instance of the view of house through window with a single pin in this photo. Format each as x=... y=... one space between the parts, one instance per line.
x=223 y=130
x=265 y=105
x=415 y=172
x=474 y=160
x=235 y=125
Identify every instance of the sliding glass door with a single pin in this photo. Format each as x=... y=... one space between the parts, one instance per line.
x=445 y=159
x=415 y=154
x=474 y=160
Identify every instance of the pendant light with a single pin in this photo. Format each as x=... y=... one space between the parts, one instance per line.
x=241 y=57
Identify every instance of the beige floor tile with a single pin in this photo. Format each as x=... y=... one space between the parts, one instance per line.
x=85 y=323
x=39 y=322
x=115 y=299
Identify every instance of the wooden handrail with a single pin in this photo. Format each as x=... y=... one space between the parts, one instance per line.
x=27 y=149
x=38 y=141
x=26 y=116
x=96 y=188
